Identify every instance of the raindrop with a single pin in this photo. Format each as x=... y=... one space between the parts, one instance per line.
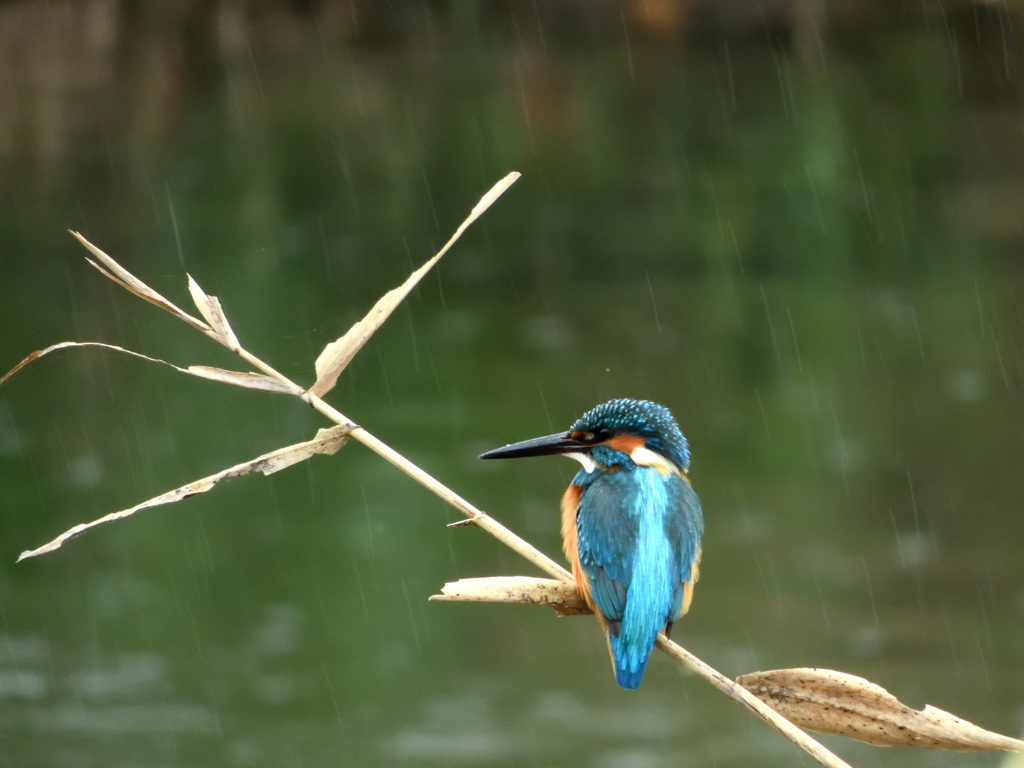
x=730 y=77
x=999 y=356
x=984 y=664
x=362 y=590
x=255 y=72
x=824 y=607
x=714 y=203
x=899 y=541
x=844 y=461
x=796 y=344
x=771 y=326
x=334 y=699
x=814 y=197
x=764 y=414
x=736 y=245
x=412 y=615
x=654 y=303
x=913 y=504
x=917 y=331
x=629 y=48
x=871 y=591
x=369 y=521
x=174 y=225
x=430 y=199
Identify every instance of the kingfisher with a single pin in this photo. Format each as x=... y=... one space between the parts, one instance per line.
x=631 y=523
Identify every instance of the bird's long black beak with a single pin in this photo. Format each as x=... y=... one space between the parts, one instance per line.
x=539 y=446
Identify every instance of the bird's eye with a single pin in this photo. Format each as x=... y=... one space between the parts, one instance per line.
x=595 y=437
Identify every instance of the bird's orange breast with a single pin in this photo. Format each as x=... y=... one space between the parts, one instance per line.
x=570 y=508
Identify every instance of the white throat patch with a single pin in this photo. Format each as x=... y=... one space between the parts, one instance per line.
x=589 y=465
x=645 y=457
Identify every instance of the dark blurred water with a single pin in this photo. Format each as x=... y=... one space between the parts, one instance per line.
x=802 y=238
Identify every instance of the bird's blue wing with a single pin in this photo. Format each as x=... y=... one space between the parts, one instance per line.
x=606 y=534
x=608 y=526
x=638 y=536
x=684 y=529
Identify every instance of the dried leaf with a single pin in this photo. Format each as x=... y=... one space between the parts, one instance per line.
x=327 y=441
x=557 y=593
x=127 y=280
x=235 y=378
x=242 y=379
x=209 y=307
x=37 y=354
x=339 y=353
x=73 y=344
x=836 y=703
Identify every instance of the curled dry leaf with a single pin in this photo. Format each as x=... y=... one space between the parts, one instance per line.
x=130 y=282
x=836 y=703
x=79 y=344
x=339 y=353
x=327 y=441
x=236 y=378
x=559 y=594
x=209 y=307
x=242 y=379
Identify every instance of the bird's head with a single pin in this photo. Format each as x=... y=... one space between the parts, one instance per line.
x=616 y=434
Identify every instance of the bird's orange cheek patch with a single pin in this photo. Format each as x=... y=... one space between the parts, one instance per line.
x=625 y=443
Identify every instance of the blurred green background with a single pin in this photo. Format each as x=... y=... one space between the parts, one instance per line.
x=797 y=224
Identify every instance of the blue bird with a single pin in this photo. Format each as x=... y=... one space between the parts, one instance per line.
x=631 y=523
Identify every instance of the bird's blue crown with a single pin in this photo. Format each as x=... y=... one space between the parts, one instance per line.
x=642 y=418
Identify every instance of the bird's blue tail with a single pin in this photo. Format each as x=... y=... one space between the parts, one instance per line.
x=653 y=599
x=630 y=659
x=630 y=680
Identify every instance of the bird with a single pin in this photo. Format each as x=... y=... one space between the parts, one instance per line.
x=631 y=523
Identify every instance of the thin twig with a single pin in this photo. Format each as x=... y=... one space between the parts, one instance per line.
x=478 y=517
x=749 y=701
